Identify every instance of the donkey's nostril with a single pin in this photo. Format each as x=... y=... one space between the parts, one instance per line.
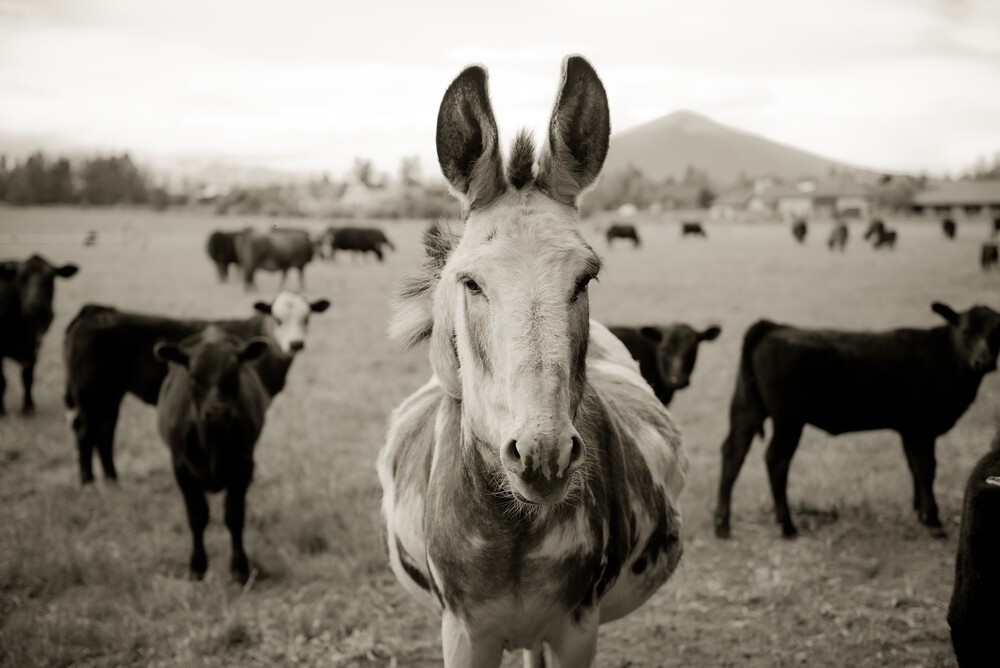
x=576 y=452
x=510 y=452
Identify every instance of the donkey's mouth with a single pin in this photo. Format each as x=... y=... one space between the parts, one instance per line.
x=542 y=492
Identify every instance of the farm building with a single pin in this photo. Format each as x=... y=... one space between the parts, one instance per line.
x=959 y=198
x=807 y=198
x=740 y=203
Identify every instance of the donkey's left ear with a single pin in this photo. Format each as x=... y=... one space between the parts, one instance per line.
x=468 y=144
x=579 y=133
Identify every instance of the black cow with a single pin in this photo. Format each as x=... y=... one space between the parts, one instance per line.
x=221 y=249
x=996 y=227
x=109 y=353
x=279 y=249
x=27 y=289
x=211 y=412
x=693 y=229
x=358 y=239
x=623 y=231
x=974 y=616
x=885 y=239
x=875 y=230
x=666 y=355
x=949 y=228
x=989 y=256
x=90 y=239
x=800 y=229
x=838 y=236
x=917 y=382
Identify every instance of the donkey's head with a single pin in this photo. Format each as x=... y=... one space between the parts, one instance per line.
x=506 y=304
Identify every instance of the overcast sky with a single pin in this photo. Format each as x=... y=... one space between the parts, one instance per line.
x=308 y=85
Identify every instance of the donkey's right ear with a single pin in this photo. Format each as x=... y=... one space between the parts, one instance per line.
x=468 y=145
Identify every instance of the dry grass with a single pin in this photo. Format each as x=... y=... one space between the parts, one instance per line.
x=97 y=577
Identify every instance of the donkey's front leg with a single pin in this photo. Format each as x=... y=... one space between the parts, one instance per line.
x=575 y=644
x=463 y=651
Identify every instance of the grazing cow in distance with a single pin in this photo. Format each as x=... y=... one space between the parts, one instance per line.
x=277 y=250
x=838 y=236
x=530 y=488
x=666 y=355
x=27 y=289
x=917 y=382
x=109 y=353
x=90 y=239
x=623 y=231
x=694 y=229
x=949 y=228
x=989 y=255
x=996 y=228
x=973 y=615
x=800 y=229
x=885 y=239
x=357 y=239
x=875 y=230
x=221 y=249
x=211 y=411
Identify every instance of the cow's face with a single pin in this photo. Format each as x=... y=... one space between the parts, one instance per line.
x=677 y=351
x=35 y=281
x=290 y=313
x=977 y=335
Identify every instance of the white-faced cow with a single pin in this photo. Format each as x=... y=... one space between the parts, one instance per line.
x=27 y=289
x=530 y=488
x=917 y=382
x=109 y=353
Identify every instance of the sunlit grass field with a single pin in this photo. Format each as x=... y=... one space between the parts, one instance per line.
x=98 y=577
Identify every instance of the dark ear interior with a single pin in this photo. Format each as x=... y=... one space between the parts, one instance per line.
x=652 y=333
x=710 y=334
x=169 y=352
x=67 y=270
x=262 y=307
x=946 y=312
x=320 y=305
x=253 y=349
x=468 y=144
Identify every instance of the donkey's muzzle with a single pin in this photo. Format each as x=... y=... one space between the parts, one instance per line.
x=540 y=466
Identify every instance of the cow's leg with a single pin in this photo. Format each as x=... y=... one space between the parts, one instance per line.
x=235 y=513
x=461 y=651
x=302 y=278
x=734 y=452
x=197 y=512
x=28 y=381
x=378 y=253
x=284 y=277
x=576 y=642
x=84 y=445
x=105 y=440
x=913 y=475
x=920 y=449
x=779 y=459
x=3 y=388
x=248 y=282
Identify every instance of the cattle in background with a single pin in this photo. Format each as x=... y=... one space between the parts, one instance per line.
x=800 y=229
x=221 y=249
x=357 y=239
x=693 y=229
x=996 y=228
x=989 y=255
x=211 y=411
x=917 y=382
x=885 y=239
x=552 y=503
x=666 y=355
x=109 y=353
x=973 y=615
x=838 y=236
x=90 y=239
x=27 y=289
x=623 y=231
x=279 y=249
x=875 y=230
x=949 y=228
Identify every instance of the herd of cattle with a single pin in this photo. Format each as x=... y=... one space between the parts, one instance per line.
x=530 y=391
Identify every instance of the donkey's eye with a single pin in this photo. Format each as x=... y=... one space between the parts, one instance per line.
x=472 y=286
x=582 y=285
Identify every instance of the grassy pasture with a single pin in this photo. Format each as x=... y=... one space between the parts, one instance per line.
x=97 y=577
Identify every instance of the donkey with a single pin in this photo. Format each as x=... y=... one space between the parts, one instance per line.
x=530 y=487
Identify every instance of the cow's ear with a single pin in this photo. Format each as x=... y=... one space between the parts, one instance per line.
x=169 y=352
x=652 y=333
x=253 y=349
x=67 y=270
x=319 y=305
x=946 y=312
x=262 y=307
x=710 y=334
x=8 y=270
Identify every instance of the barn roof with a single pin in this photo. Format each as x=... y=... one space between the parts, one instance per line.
x=958 y=193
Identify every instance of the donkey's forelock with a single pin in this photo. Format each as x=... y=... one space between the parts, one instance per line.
x=411 y=321
x=521 y=167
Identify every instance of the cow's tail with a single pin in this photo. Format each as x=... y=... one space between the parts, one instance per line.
x=748 y=405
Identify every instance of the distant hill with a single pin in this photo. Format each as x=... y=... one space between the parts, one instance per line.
x=665 y=147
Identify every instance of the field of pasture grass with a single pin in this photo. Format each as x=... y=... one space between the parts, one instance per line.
x=98 y=577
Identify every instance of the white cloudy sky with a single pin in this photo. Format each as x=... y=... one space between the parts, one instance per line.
x=308 y=85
